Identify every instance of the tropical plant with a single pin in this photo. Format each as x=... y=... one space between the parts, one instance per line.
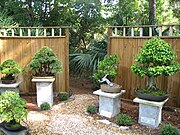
x=123 y=120
x=108 y=67
x=45 y=63
x=86 y=62
x=156 y=58
x=10 y=68
x=12 y=108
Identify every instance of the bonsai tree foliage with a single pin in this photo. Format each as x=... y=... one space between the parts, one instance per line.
x=156 y=58
x=108 y=67
x=9 y=68
x=12 y=108
x=45 y=63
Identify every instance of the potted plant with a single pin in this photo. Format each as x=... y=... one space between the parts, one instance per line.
x=155 y=58
x=43 y=66
x=9 y=68
x=106 y=72
x=12 y=110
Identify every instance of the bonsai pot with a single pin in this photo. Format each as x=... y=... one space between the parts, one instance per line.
x=11 y=127
x=8 y=81
x=151 y=97
x=111 y=89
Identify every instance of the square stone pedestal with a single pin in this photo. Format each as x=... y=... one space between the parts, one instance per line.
x=9 y=87
x=44 y=88
x=150 y=112
x=109 y=103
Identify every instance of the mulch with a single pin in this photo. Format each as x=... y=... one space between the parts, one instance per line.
x=82 y=86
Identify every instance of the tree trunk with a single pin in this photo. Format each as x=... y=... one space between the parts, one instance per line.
x=151 y=85
x=152 y=12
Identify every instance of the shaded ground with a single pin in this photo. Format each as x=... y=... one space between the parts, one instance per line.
x=71 y=117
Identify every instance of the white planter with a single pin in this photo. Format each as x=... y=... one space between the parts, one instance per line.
x=109 y=103
x=10 y=87
x=44 y=88
x=150 y=112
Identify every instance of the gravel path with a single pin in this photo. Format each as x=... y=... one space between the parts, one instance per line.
x=69 y=118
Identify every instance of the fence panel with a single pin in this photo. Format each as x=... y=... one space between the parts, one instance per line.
x=21 y=49
x=126 y=48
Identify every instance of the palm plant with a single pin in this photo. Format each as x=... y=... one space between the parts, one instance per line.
x=82 y=63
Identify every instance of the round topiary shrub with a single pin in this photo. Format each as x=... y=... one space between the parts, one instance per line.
x=123 y=120
x=63 y=96
x=169 y=130
x=91 y=109
x=45 y=106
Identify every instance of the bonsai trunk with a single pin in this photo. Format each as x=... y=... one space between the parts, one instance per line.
x=151 y=84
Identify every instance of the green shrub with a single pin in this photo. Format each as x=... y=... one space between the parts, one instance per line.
x=108 y=66
x=9 y=68
x=45 y=63
x=45 y=106
x=63 y=96
x=169 y=130
x=123 y=120
x=12 y=108
x=91 y=109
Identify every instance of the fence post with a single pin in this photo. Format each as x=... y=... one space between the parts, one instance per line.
x=109 y=39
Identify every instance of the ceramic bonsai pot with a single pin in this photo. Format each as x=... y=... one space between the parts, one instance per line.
x=151 y=97
x=8 y=81
x=111 y=89
x=11 y=128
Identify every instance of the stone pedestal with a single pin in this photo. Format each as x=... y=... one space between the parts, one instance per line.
x=109 y=103
x=150 y=112
x=44 y=89
x=9 y=87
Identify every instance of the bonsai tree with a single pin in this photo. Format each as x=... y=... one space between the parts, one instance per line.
x=10 y=68
x=108 y=67
x=45 y=63
x=12 y=109
x=155 y=58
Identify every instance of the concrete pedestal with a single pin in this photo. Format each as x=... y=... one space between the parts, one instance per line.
x=9 y=87
x=44 y=89
x=150 y=112
x=109 y=103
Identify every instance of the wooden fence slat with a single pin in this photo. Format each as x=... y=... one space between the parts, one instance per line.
x=22 y=49
x=126 y=50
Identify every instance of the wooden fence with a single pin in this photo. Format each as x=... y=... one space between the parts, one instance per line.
x=126 y=46
x=21 y=43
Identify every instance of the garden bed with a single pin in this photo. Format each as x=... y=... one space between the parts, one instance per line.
x=71 y=117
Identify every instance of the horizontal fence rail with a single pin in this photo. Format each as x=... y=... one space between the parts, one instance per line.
x=33 y=31
x=146 y=30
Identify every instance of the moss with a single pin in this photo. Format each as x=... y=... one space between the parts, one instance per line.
x=156 y=92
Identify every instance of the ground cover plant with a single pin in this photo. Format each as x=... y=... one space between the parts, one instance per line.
x=91 y=109
x=123 y=120
x=62 y=96
x=45 y=106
